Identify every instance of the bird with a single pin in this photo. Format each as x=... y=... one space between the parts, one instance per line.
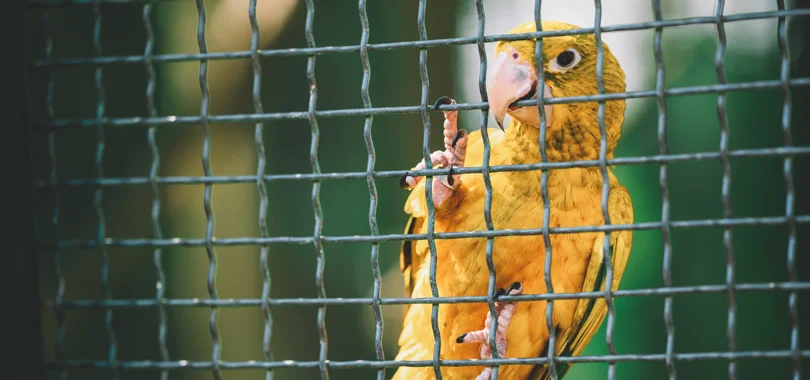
x=574 y=197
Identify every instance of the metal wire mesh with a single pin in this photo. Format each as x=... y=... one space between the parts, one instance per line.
x=157 y=242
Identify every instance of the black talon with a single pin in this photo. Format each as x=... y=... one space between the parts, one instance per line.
x=450 y=179
x=461 y=133
x=441 y=101
x=515 y=285
x=460 y=339
x=403 y=183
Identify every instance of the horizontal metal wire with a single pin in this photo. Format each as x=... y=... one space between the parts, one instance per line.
x=62 y=124
x=256 y=302
x=183 y=242
x=196 y=180
x=298 y=52
x=252 y=364
x=34 y=4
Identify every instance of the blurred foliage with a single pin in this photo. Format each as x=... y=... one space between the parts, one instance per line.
x=698 y=255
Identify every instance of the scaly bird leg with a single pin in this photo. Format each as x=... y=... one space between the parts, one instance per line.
x=455 y=144
x=505 y=312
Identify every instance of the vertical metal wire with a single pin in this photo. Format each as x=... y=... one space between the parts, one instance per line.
x=726 y=187
x=207 y=195
x=787 y=168
x=157 y=233
x=101 y=229
x=316 y=190
x=53 y=178
x=606 y=251
x=372 y=189
x=434 y=289
x=552 y=332
x=660 y=77
x=482 y=89
x=261 y=165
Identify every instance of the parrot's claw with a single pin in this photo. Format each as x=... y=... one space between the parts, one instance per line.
x=442 y=101
x=450 y=180
x=455 y=144
x=515 y=286
x=505 y=311
x=403 y=182
x=461 y=133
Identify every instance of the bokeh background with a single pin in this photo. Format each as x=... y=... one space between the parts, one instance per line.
x=698 y=257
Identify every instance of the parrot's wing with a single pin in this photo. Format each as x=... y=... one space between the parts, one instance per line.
x=591 y=312
x=409 y=259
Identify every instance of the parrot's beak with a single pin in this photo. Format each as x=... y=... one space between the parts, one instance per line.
x=511 y=80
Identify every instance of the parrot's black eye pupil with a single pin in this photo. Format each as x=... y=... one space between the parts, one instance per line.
x=565 y=58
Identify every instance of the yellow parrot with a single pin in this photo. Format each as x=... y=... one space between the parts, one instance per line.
x=572 y=133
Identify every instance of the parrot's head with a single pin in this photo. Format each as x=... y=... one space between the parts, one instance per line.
x=569 y=68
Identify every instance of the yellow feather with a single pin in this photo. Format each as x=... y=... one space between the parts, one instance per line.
x=575 y=199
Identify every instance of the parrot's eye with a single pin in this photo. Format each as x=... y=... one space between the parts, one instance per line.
x=565 y=61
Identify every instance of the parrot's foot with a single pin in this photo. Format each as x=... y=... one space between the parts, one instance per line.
x=505 y=312
x=455 y=144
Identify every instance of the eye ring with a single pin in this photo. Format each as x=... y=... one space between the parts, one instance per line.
x=565 y=61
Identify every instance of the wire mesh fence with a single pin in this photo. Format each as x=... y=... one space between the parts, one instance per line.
x=62 y=249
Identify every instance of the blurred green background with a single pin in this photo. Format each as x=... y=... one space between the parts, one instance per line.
x=698 y=257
